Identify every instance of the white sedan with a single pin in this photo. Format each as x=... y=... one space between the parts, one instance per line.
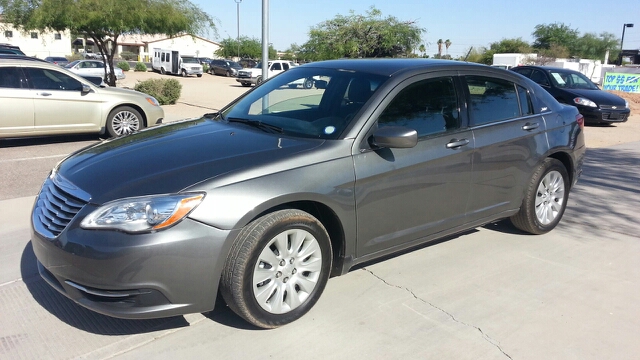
x=91 y=68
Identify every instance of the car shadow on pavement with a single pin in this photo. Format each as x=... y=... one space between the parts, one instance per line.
x=48 y=140
x=79 y=317
x=607 y=195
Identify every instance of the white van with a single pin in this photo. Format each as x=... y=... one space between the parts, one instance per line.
x=170 y=62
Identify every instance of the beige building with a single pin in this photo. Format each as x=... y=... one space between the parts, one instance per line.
x=36 y=43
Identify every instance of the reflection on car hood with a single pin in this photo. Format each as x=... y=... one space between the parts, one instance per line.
x=598 y=96
x=170 y=158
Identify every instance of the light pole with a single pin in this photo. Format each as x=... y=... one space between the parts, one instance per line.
x=238 y=38
x=622 y=42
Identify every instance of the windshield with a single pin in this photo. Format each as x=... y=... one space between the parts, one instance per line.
x=190 y=60
x=234 y=65
x=571 y=80
x=72 y=64
x=307 y=101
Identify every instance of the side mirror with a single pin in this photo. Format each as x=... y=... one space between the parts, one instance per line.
x=320 y=84
x=394 y=137
x=85 y=89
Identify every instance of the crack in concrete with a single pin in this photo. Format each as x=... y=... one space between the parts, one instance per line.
x=484 y=335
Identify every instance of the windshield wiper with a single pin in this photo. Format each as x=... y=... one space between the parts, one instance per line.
x=258 y=124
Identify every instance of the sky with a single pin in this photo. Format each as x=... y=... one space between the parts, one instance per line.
x=465 y=23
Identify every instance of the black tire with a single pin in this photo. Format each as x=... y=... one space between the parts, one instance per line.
x=228 y=73
x=245 y=84
x=199 y=75
x=162 y=71
x=124 y=120
x=257 y=252
x=308 y=83
x=536 y=219
x=259 y=80
x=183 y=73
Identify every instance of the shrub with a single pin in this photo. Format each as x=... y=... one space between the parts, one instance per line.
x=140 y=67
x=166 y=91
x=124 y=66
x=128 y=55
x=74 y=57
x=205 y=68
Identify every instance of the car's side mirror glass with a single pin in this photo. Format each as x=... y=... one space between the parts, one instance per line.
x=320 y=84
x=394 y=137
x=86 y=89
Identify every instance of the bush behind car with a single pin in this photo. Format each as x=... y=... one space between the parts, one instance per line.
x=166 y=91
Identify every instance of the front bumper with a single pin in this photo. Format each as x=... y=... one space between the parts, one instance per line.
x=191 y=71
x=600 y=115
x=161 y=274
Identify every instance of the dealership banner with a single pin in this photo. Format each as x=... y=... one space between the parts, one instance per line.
x=622 y=82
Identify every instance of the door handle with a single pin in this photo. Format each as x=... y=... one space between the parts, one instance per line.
x=530 y=126
x=455 y=143
x=44 y=94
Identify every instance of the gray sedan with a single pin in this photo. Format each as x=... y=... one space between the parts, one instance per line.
x=264 y=200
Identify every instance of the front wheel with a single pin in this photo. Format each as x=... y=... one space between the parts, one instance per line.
x=259 y=80
x=199 y=75
x=308 y=83
x=277 y=268
x=184 y=73
x=545 y=200
x=124 y=120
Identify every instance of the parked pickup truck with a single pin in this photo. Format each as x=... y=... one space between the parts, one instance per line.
x=253 y=76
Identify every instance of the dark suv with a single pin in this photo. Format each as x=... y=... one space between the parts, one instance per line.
x=574 y=88
x=224 y=67
x=10 y=49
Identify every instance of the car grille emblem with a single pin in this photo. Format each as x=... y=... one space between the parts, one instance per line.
x=614 y=107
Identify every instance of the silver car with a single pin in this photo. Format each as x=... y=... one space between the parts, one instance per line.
x=92 y=68
x=40 y=98
x=265 y=200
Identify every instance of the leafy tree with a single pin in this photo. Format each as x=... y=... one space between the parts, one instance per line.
x=505 y=46
x=556 y=33
x=250 y=48
x=105 y=20
x=473 y=55
x=592 y=46
x=361 y=36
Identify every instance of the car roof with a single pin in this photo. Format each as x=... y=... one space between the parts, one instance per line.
x=9 y=57
x=545 y=68
x=388 y=67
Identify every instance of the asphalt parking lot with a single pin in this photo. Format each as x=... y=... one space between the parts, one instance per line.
x=490 y=293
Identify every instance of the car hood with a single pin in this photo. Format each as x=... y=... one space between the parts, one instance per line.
x=598 y=96
x=170 y=158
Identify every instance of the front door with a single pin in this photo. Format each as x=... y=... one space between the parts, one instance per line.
x=403 y=195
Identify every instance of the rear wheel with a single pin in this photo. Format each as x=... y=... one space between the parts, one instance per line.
x=124 y=120
x=162 y=71
x=308 y=83
x=277 y=268
x=228 y=73
x=545 y=200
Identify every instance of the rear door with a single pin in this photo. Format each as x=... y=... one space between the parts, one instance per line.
x=509 y=142
x=405 y=194
x=16 y=102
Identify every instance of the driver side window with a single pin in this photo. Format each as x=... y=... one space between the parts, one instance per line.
x=427 y=106
x=45 y=79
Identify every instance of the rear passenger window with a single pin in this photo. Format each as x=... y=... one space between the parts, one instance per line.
x=492 y=99
x=525 y=101
x=427 y=106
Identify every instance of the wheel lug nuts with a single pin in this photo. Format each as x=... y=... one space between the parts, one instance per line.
x=285 y=280
x=283 y=263
x=291 y=261
x=278 y=274
x=294 y=271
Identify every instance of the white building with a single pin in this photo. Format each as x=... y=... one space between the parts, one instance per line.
x=36 y=43
x=187 y=45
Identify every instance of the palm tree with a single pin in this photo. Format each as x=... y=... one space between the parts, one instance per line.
x=422 y=49
x=447 y=43
x=440 y=48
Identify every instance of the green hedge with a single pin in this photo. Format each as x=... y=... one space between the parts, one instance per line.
x=124 y=66
x=140 y=67
x=166 y=91
x=129 y=56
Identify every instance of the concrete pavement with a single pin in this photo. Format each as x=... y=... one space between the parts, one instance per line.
x=491 y=293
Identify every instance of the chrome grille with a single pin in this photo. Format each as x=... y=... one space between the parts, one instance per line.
x=54 y=209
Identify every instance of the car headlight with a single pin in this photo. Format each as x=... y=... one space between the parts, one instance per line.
x=626 y=104
x=151 y=100
x=584 y=102
x=143 y=214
